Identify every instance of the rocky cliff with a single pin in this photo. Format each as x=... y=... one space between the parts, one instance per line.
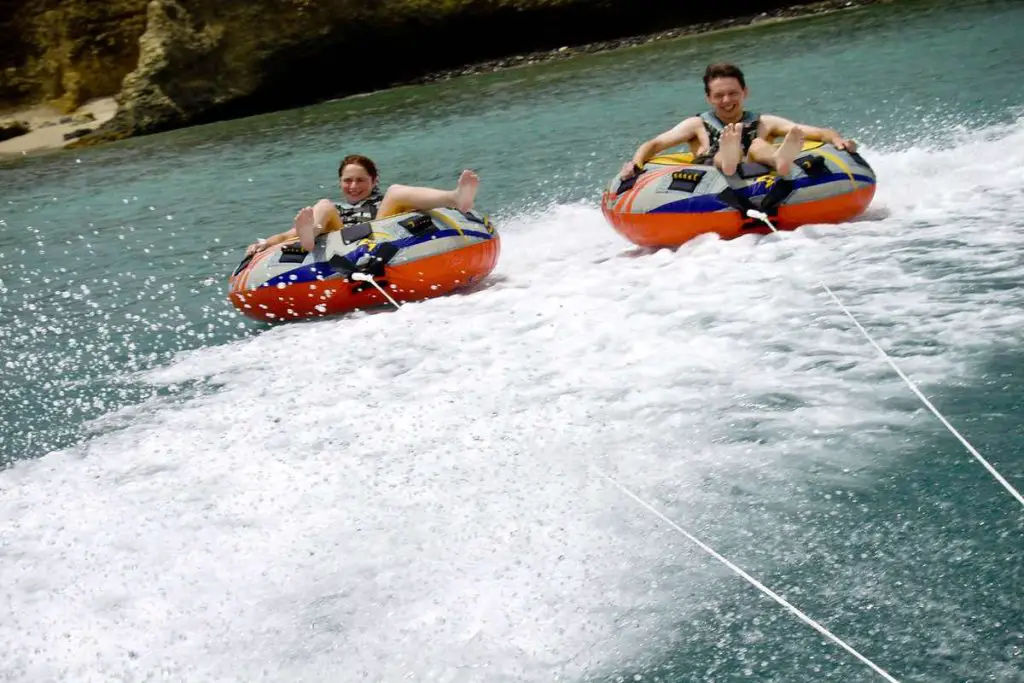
x=179 y=62
x=67 y=52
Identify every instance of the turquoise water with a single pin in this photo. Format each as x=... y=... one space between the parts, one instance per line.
x=412 y=494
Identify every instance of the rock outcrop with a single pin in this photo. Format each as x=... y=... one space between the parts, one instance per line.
x=66 y=52
x=13 y=130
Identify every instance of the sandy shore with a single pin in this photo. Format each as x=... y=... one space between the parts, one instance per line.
x=48 y=126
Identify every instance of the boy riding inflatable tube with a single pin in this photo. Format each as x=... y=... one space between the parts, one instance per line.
x=673 y=200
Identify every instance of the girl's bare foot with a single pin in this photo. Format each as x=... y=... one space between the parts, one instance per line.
x=305 y=229
x=465 y=191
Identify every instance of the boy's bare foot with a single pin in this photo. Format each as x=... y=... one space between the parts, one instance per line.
x=730 y=150
x=790 y=147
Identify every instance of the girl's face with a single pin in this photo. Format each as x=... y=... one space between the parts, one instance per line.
x=356 y=184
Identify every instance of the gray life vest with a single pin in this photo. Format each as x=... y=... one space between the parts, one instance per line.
x=362 y=211
x=714 y=126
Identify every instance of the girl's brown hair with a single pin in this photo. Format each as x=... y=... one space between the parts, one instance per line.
x=359 y=160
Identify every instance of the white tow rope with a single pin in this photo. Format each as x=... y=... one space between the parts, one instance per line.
x=366 y=277
x=751 y=580
x=761 y=216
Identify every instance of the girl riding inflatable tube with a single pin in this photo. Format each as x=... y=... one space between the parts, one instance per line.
x=673 y=199
x=412 y=256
